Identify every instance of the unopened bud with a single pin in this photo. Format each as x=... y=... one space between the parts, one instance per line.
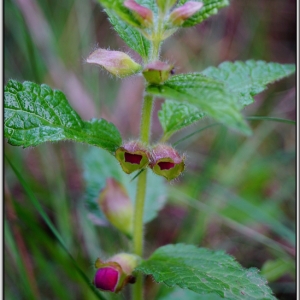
x=116 y=206
x=116 y=272
x=166 y=161
x=143 y=14
x=182 y=13
x=157 y=72
x=116 y=62
x=132 y=156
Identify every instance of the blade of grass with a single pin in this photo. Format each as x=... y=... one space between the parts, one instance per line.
x=45 y=217
x=280 y=120
x=195 y=132
x=175 y=193
x=252 y=118
x=19 y=265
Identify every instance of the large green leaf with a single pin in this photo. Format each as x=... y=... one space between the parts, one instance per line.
x=131 y=36
x=209 y=8
x=98 y=165
x=35 y=114
x=209 y=95
x=246 y=79
x=204 y=271
x=174 y=116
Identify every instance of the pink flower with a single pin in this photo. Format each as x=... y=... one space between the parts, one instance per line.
x=116 y=62
x=143 y=14
x=180 y=14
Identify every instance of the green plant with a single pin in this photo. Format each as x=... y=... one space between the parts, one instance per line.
x=36 y=114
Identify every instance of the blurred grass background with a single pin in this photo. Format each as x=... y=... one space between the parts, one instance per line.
x=237 y=194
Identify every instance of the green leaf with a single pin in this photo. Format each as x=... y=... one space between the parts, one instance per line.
x=209 y=95
x=131 y=36
x=174 y=116
x=204 y=271
x=98 y=165
x=246 y=79
x=209 y=8
x=36 y=114
x=180 y=294
x=116 y=7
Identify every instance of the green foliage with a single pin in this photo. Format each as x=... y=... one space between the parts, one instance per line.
x=246 y=79
x=209 y=8
x=116 y=7
x=204 y=271
x=131 y=36
x=209 y=95
x=274 y=269
x=174 y=116
x=180 y=294
x=37 y=205
x=36 y=114
x=99 y=165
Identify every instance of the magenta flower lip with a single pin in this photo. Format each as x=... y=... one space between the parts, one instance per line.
x=107 y=279
x=133 y=158
x=116 y=273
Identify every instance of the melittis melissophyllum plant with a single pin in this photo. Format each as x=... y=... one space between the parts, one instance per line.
x=35 y=114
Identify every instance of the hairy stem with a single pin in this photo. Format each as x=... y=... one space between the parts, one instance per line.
x=138 y=231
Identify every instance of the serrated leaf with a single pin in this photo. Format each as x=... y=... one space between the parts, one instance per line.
x=246 y=79
x=204 y=271
x=209 y=95
x=131 y=36
x=116 y=7
x=36 y=114
x=98 y=166
x=210 y=7
x=175 y=116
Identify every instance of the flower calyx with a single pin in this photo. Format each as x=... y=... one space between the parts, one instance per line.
x=115 y=273
x=116 y=206
x=143 y=14
x=182 y=13
x=133 y=156
x=166 y=161
x=157 y=72
x=115 y=62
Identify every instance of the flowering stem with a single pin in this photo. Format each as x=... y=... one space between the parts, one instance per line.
x=138 y=231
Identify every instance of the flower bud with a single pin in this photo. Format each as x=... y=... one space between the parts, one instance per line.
x=143 y=14
x=116 y=206
x=116 y=62
x=182 y=13
x=132 y=156
x=157 y=72
x=165 y=161
x=116 y=272
x=165 y=5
